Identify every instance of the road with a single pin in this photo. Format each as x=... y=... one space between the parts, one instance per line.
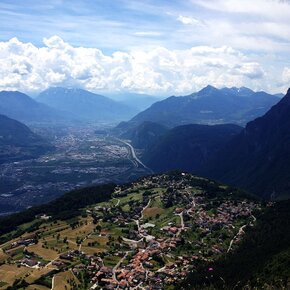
x=117 y=266
x=241 y=230
x=52 y=282
x=132 y=242
x=254 y=218
x=182 y=224
x=142 y=212
x=88 y=236
x=134 y=156
x=118 y=202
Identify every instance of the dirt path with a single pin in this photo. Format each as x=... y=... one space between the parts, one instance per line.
x=80 y=246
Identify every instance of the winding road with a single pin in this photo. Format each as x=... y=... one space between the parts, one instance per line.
x=241 y=230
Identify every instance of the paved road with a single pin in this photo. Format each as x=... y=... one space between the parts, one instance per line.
x=241 y=230
x=182 y=224
x=52 y=282
x=134 y=156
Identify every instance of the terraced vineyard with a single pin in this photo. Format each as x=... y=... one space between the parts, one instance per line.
x=152 y=232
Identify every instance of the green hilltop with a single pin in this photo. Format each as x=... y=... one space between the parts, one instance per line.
x=153 y=232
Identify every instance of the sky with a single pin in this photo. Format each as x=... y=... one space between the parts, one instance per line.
x=155 y=47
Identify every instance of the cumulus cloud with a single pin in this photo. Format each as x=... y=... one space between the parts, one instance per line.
x=252 y=70
x=159 y=70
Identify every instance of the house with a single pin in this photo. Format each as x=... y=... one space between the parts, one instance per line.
x=58 y=264
x=66 y=257
x=29 y=262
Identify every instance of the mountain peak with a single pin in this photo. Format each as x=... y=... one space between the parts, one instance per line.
x=242 y=91
x=286 y=98
x=84 y=104
x=207 y=90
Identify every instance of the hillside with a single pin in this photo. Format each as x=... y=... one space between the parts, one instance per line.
x=18 y=142
x=150 y=233
x=208 y=106
x=85 y=105
x=21 y=107
x=188 y=147
x=258 y=158
x=145 y=135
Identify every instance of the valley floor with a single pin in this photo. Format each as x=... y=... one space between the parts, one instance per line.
x=81 y=158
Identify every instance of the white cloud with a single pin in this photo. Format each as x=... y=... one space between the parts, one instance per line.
x=147 y=33
x=26 y=67
x=270 y=9
x=252 y=70
x=260 y=25
x=188 y=20
x=286 y=75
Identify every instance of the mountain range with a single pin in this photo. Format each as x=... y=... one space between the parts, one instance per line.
x=85 y=105
x=23 y=108
x=255 y=158
x=208 y=106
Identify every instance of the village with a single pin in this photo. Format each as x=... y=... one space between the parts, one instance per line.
x=149 y=236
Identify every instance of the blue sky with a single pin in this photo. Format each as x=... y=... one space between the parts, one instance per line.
x=108 y=25
x=256 y=35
